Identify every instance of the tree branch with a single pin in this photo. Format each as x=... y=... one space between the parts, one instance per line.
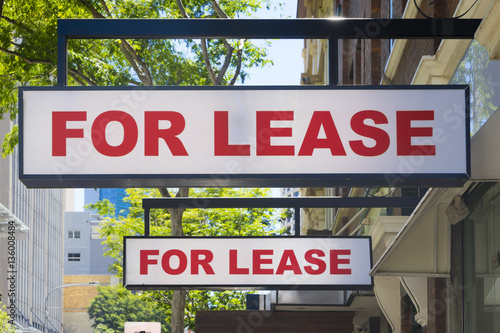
x=218 y=10
x=206 y=59
x=28 y=60
x=16 y=23
x=78 y=75
x=76 y=79
x=92 y=10
x=183 y=192
x=239 y=53
x=164 y=192
x=130 y=54
x=227 y=62
x=82 y=77
x=139 y=66
x=1 y=7
x=106 y=9
x=182 y=9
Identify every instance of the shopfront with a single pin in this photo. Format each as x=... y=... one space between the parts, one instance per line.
x=481 y=239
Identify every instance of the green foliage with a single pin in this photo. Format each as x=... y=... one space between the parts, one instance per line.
x=196 y=222
x=116 y=305
x=28 y=48
x=10 y=141
x=5 y=326
x=103 y=207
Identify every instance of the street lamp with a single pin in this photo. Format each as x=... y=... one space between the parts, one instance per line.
x=59 y=287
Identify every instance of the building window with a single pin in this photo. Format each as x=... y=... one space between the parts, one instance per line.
x=481 y=268
x=73 y=256
x=483 y=77
x=74 y=234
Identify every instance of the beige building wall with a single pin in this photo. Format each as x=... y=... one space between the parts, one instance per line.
x=77 y=299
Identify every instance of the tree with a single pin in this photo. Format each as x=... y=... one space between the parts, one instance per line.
x=28 y=57
x=115 y=305
x=196 y=222
x=28 y=44
x=5 y=326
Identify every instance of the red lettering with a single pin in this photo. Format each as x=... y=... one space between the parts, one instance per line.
x=144 y=261
x=335 y=261
x=221 y=138
x=165 y=262
x=405 y=132
x=381 y=138
x=332 y=140
x=258 y=261
x=315 y=261
x=265 y=132
x=293 y=266
x=152 y=132
x=130 y=133
x=233 y=264
x=60 y=132
x=204 y=262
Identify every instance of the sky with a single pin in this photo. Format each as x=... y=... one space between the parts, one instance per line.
x=285 y=53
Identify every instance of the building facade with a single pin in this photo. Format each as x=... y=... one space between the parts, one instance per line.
x=84 y=263
x=38 y=258
x=435 y=267
x=114 y=195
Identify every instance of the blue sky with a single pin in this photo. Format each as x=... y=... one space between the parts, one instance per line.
x=286 y=55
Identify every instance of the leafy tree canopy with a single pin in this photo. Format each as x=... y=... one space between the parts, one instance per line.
x=5 y=326
x=196 y=222
x=28 y=48
x=115 y=305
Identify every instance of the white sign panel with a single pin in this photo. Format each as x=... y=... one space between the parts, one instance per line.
x=138 y=327
x=219 y=137
x=260 y=262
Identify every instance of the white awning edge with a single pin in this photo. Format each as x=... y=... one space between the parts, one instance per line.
x=422 y=246
x=7 y=219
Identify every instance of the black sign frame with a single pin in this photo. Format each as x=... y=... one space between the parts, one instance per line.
x=329 y=29
x=201 y=286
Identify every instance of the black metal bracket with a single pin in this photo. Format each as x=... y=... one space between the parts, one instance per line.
x=274 y=202
x=331 y=29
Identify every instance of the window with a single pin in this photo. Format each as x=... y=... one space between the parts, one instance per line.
x=74 y=234
x=73 y=256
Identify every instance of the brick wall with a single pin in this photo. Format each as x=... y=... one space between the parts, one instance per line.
x=415 y=49
x=364 y=60
x=406 y=314
x=266 y=321
x=77 y=299
x=436 y=305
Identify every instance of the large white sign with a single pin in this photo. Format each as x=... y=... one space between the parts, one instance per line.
x=260 y=262
x=219 y=137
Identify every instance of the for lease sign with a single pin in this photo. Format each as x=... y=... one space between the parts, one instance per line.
x=243 y=137
x=259 y=262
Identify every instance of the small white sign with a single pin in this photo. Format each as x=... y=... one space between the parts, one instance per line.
x=142 y=327
x=260 y=262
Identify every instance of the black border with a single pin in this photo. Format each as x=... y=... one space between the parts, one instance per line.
x=246 y=287
x=244 y=180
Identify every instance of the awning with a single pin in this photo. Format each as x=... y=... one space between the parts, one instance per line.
x=7 y=219
x=422 y=247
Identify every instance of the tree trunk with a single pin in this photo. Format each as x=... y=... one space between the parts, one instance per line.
x=178 y=296
x=178 y=305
